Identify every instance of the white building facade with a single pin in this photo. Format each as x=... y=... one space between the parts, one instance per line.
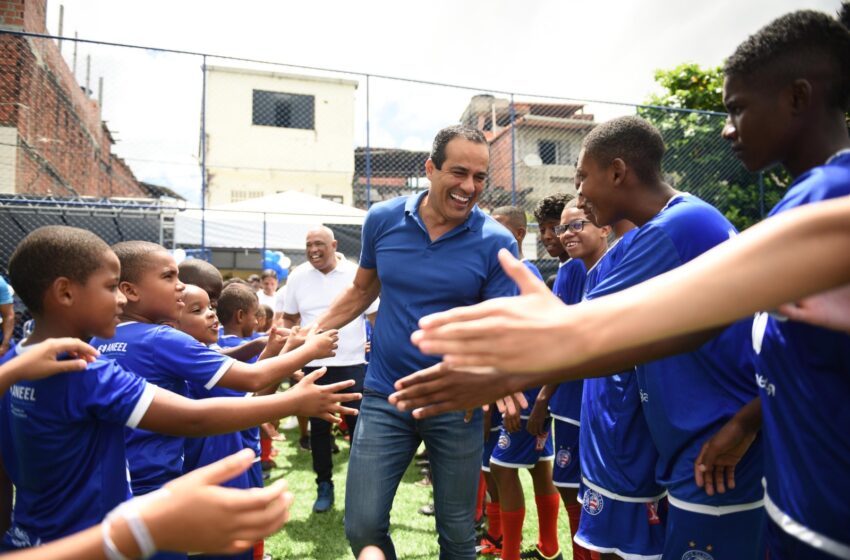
x=268 y=132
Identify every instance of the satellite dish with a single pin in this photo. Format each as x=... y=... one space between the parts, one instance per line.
x=532 y=160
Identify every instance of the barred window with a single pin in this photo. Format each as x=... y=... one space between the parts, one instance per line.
x=285 y=110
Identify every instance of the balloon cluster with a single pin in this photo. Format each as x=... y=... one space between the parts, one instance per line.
x=277 y=261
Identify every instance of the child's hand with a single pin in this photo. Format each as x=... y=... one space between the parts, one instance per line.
x=277 y=340
x=199 y=515
x=321 y=343
x=297 y=336
x=41 y=360
x=323 y=401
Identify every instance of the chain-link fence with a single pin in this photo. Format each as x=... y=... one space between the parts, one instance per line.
x=135 y=142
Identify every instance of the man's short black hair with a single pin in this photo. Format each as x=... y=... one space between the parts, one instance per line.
x=135 y=257
x=233 y=298
x=798 y=45
x=631 y=139
x=199 y=272
x=514 y=214
x=49 y=253
x=446 y=135
x=550 y=208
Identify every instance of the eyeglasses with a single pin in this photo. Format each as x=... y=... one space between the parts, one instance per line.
x=575 y=226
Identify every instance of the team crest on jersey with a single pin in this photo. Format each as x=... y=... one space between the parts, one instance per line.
x=592 y=502
x=504 y=441
x=563 y=458
x=697 y=555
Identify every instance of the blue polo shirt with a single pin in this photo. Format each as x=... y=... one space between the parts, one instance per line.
x=419 y=276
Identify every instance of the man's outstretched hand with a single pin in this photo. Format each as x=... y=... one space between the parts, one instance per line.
x=441 y=388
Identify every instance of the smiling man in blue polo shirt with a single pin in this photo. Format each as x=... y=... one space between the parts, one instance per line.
x=423 y=253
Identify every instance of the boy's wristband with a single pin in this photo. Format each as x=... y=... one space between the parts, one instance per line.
x=130 y=511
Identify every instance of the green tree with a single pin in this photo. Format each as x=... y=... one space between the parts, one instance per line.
x=690 y=115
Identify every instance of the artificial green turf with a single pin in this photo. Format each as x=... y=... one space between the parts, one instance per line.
x=321 y=536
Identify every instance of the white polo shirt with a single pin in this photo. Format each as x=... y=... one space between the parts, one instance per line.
x=309 y=293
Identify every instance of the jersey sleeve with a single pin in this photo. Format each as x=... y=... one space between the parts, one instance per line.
x=651 y=253
x=186 y=358
x=367 y=239
x=110 y=393
x=498 y=283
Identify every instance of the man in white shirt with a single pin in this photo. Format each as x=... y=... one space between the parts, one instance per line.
x=311 y=288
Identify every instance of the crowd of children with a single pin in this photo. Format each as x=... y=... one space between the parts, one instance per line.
x=669 y=423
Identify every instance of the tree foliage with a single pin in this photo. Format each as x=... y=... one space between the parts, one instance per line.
x=698 y=160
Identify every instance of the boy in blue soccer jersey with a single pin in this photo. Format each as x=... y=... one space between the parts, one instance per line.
x=619 y=495
x=68 y=278
x=786 y=89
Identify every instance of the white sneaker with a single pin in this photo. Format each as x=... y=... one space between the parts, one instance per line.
x=290 y=423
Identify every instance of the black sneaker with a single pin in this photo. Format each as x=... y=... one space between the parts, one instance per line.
x=334 y=448
x=535 y=553
x=304 y=443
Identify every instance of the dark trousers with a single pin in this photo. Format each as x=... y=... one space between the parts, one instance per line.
x=320 y=430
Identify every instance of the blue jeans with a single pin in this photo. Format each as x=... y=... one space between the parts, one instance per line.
x=385 y=441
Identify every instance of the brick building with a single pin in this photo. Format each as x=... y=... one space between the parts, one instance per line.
x=545 y=137
x=52 y=138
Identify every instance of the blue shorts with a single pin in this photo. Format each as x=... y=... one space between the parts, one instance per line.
x=699 y=536
x=632 y=530
x=782 y=546
x=566 y=472
x=255 y=475
x=489 y=446
x=521 y=449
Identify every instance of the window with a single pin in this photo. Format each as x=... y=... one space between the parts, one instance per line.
x=239 y=196
x=285 y=110
x=548 y=151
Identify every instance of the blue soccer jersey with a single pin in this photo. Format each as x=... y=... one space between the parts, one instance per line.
x=565 y=404
x=803 y=374
x=688 y=397
x=169 y=359
x=62 y=445
x=532 y=267
x=618 y=457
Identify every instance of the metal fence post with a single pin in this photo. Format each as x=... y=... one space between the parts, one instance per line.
x=513 y=152
x=204 y=157
x=368 y=152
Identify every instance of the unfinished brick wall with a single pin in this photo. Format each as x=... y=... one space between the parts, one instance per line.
x=63 y=147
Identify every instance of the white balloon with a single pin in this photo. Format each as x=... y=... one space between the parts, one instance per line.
x=179 y=255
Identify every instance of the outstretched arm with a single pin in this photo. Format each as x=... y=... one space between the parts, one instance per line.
x=192 y=514
x=726 y=283
x=42 y=360
x=173 y=414
x=353 y=301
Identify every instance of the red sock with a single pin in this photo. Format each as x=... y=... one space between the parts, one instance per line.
x=479 y=499
x=512 y=533
x=548 y=508
x=494 y=519
x=265 y=449
x=574 y=514
x=259 y=550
